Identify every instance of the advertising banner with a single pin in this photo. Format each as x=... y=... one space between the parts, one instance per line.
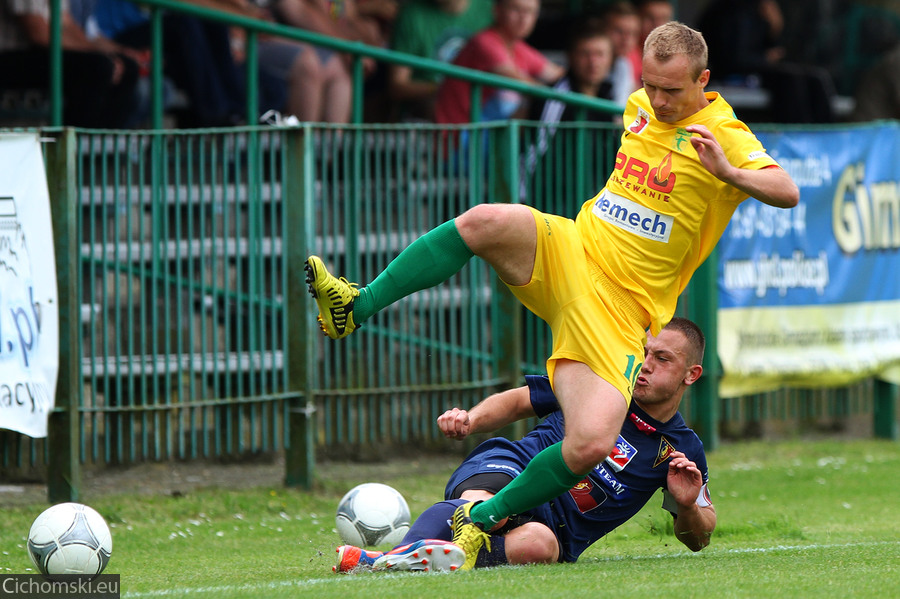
x=810 y=297
x=29 y=320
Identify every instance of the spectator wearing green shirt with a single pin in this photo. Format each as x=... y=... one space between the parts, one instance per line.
x=435 y=29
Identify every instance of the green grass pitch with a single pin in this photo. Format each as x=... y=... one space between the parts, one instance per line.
x=796 y=519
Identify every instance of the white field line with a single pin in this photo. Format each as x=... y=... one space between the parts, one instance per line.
x=772 y=549
x=311 y=582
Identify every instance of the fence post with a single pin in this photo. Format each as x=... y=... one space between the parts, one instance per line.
x=64 y=468
x=506 y=312
x=885 y=413
x=299 y=210
x=703 y=306
x=156 y=68
x=56 y=64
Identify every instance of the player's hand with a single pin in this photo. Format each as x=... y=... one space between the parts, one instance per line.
x=684 y=479
x=455 y=423
x=711 y=154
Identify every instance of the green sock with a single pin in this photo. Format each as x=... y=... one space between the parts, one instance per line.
x=429 y=260
x=546 y=476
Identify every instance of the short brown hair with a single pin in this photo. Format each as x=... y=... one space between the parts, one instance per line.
x=585 y=30
x=674 y=38
x=694 y=336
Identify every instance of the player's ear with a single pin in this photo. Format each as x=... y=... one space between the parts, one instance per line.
x=703 y=79
x=693 y=374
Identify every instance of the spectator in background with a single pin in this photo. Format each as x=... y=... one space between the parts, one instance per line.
x=99 y=75
x=623 y=26
x=336 y=18
x=653 y=14
x=589 y=55
x=745 y=39
x=500 y=49
x=344 y=19
x=308 y=82
x=204 y=60
x=878 y=93
x=197 y=59
x=435 y=29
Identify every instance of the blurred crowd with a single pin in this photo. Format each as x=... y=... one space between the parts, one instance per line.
x=803 y=56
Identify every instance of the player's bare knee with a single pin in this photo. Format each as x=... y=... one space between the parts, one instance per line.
x=582 y=454
x=532 y=543
x=480 y=223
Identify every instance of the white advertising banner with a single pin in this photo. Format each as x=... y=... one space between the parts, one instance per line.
x=29 y=319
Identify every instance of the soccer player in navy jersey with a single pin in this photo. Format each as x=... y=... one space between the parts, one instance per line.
x=655 y=450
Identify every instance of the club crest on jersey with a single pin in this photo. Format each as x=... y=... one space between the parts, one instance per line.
x=640 y=122
x=665 y=451
x=621 y=454
x=587 y=496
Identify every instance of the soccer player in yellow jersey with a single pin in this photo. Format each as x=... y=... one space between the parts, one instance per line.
x=600 y=281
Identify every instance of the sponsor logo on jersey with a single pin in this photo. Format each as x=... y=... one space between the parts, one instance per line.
x=609 y=478
x=757 y=155
x=503 y=467
x=587 y=496
x=665 y=451
x=621 y=454
x=662 y=178
x=634 y=173
x=641 y=424
x=633 y=217
x=640 y=122
x=682 y=136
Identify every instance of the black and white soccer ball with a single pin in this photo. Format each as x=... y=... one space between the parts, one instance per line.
x=69 y=538
x=372 y=514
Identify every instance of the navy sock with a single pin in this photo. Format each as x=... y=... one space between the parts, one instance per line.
x=434 y=523
x=495 y=557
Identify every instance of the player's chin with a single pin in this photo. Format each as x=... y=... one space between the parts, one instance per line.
x=666 y=117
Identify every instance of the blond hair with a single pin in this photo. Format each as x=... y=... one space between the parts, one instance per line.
x=674 y=38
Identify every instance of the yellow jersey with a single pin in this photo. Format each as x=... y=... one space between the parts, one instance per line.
x=661 y=212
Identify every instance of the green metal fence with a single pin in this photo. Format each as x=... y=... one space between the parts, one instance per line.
x=185 y=319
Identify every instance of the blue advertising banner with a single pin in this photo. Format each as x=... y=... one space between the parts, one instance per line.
x=811 y=296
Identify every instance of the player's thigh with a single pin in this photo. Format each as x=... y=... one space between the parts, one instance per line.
x=476 y=495
x=559 y=268
x=531 y=543
x=594 y=410
x=504 y=236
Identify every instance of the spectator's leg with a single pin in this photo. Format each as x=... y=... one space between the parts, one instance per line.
x=337 y=88
x=304 y=85
x=198 y=60
x=89 y=79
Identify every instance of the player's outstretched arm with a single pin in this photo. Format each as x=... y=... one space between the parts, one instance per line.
x=772 y=186
x=493 y=413
x=694 y=523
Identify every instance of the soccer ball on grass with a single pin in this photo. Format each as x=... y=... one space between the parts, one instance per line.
x=69 y=538
x=371 y=514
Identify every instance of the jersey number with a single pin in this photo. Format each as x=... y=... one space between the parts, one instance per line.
x=632 y=370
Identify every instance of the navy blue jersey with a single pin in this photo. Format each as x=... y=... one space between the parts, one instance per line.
x=612 y=492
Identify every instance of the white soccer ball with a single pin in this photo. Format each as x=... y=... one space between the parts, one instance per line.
x=371 y=514
x=69 y=538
